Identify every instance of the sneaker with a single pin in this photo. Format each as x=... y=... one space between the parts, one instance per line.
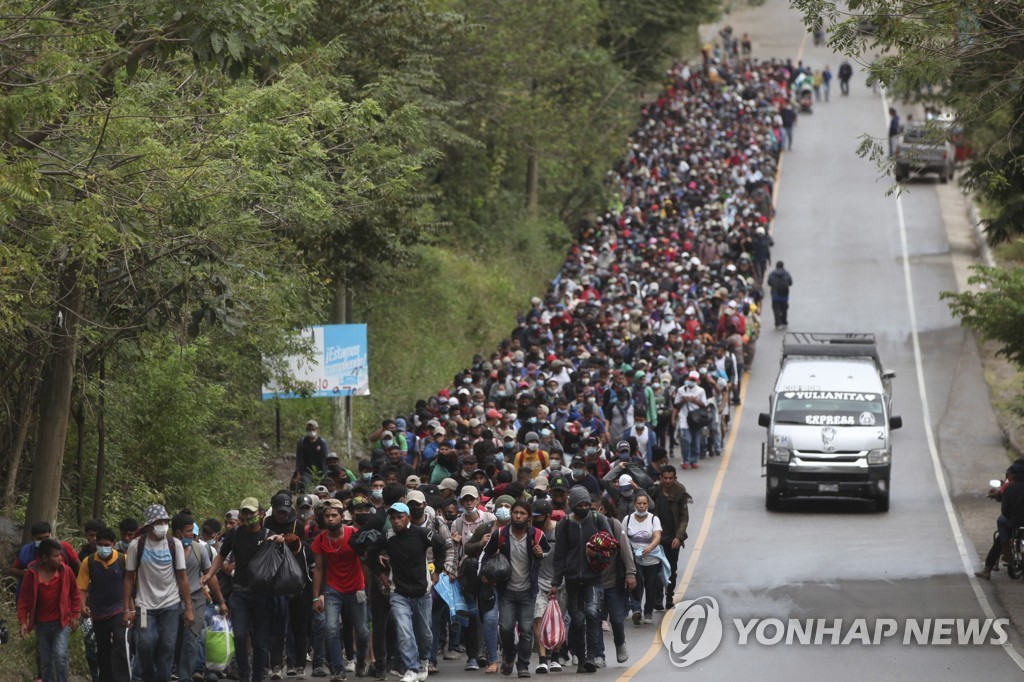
x=350 y=667
x=452 y=656
x=410 y=676
x=471 y=665
x=291 y=672
x=506 y=668
x=542 y=669
x=621 y=653
x=589 y=666
x=555 y=666
x=575 y=660
x=432 y=669
x=362 y=668
x=276 y=674
x=378 y=672
x=424 y=670
x=637 y=616
x=686 y=465
x=323 y=672
x=648 y=619
x=599 y=662
x=694 y=466
x=338 y=676
x=523 y=672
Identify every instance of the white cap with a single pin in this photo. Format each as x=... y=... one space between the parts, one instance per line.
x=469 y=491
x=415 y=496
x=625 y=479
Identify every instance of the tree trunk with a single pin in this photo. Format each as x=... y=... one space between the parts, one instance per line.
x=17 y=449
x=339 y=315
x=101 y=444
x=79 y=415
x=531 y=183
x=55 y=404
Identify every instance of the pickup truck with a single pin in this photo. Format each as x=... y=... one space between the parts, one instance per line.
x=923 y=149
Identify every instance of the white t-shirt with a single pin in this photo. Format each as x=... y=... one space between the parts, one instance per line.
x=640 y=533
x=156 y=579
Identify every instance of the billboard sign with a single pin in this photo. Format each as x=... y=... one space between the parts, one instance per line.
x=338 y=366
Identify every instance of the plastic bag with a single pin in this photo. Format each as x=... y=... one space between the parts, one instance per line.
x=220 y=644
x=552 y=626
x=451 y=592
x=497 y=569
x=275 y=571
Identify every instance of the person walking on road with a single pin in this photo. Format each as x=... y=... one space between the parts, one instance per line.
x=845 y=74
x=50 y=604
x=894 y=130
x=788 y=115
x=779 y=281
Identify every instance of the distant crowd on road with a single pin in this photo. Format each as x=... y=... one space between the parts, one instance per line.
x=543 y=475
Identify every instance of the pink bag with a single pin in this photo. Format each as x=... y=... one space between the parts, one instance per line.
x=552 y=626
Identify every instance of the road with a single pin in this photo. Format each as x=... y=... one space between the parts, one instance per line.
x=861 y=261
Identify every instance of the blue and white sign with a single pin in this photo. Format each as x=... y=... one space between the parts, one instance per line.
x=338 y=367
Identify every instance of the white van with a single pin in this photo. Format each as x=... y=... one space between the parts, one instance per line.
x=830 y=421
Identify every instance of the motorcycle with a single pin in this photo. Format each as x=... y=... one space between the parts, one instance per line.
x=1015 y=564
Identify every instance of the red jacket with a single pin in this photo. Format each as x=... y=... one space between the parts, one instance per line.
x=70 y=597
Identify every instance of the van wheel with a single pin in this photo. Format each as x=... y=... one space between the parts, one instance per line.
x=772 y=502
x=882 y=503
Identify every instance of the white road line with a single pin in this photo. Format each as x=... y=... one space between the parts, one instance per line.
x=954 y=523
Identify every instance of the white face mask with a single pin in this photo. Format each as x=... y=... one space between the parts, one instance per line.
x=160 y=530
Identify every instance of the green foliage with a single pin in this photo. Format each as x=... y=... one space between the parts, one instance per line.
x=995 y=310
x=964 y=58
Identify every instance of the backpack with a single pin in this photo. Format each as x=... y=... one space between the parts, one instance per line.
x=172 y=544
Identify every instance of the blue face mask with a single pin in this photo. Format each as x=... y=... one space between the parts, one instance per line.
x=187 y=542
x=499 y=458
x=503 y=513
x=104 y=552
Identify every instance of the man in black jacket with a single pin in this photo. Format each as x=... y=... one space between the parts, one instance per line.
x=310 y=456
x=406 y=548
x=583 y=586
x=779 y=282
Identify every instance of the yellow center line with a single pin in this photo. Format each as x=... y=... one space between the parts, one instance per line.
x=716 y=488
x=705 y=529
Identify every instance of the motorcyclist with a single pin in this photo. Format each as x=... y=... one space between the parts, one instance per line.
x=1011 y=496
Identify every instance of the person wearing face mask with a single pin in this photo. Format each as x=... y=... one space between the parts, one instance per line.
x=339 y=585
x=626 y=463
x=583 y=585
x=156 y=566
x=101 y=581
x=50 y=604
x=419 y=516
x=524 y=546
x=644 y=532
x=310 y=456
x=29 y=552
x=197 y=562
x=445 y=465
x=645 y=438
x=689 y=397
x=504 y=458
x=484 y=618
x=250 y=612
x=377 y=494
x=532 y=457
x=579 y=475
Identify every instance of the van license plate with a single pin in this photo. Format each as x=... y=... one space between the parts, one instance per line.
x=828 y=487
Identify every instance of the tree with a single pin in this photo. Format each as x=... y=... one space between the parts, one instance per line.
x=964 y=58
x=995 y=310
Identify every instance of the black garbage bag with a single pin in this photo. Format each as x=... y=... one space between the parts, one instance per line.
x=275 y=571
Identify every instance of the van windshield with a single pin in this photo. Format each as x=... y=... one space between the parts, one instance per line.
x=826 y=408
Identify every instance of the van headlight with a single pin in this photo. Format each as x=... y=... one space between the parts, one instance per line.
x=779 y=455
x=879 y=456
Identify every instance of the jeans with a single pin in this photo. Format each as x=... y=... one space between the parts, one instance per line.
x=788 y=135
x=52 y=645
x=649 y=586
x=157 y=641
x=439 y=619
x=412 y=622
x=614 y=608
x=691 y=445
x=516 y=608
x=673 y=560
x=584 y=600
x=351 y=608
x=110 y=650
x=319 y=641
x=250 y=617
x=189 y=638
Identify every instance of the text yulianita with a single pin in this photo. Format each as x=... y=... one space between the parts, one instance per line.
x=861 y=631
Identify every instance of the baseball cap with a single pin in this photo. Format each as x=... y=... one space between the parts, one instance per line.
x=474 y=422
x=493 y=414
x=414 y=496
x=252 y=504
x=313 y=423
x=559 y=483
x=320 y=489
x=469 y=491
x=578 y=461
x=694 y=375
x=540 y=483
x=331 y=455
x=510 y=434
x=542 y=507
x=359 y=501
x=413 y=480
x=448 y=484
x=439 y=431
x=625 y=479
x=232 y=515
x=281 y=501
x=622 y=445
x=398 y=508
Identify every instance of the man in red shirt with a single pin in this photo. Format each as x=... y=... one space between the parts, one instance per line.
x=339 y=586
x=50 y=603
